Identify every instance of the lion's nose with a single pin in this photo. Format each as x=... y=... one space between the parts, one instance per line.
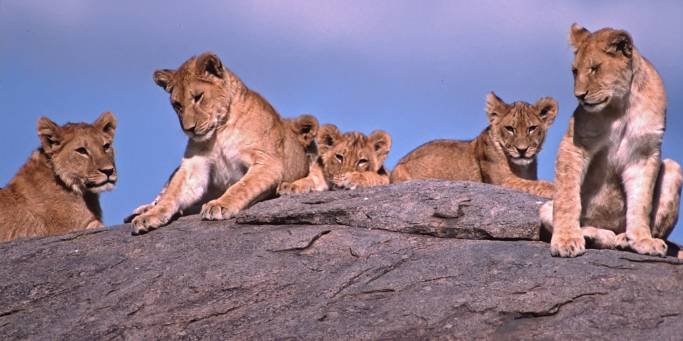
x=107 y=171
x=522 y=151
x=189 y=129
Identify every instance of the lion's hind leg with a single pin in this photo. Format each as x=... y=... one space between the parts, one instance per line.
x=667 y=197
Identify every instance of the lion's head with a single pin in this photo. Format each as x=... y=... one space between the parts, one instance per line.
x=602 y=66
x=81 y=154
x=201 y=92
x=351 y=152
x=520 y=128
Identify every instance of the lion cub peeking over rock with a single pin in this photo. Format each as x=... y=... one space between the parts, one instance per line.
x=610 y=177
x=239 y=148
x=57 y=189
x=346 y=161
x=503 y=154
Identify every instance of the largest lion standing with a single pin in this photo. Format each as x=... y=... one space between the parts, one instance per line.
x=610 y=178
x=239 y=148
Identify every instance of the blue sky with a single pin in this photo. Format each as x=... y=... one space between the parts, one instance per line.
x=417 y=69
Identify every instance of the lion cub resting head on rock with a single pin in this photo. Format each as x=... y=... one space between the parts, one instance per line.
x=239 y=148
x=609 y=173
x=503 y=154
x=56 y=191
x=346 y=161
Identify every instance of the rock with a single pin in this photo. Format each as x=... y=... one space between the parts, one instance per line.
x=320 y=267
x=464 y=210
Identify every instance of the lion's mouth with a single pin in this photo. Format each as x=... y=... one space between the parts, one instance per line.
x=595 y=103
x=101 y=186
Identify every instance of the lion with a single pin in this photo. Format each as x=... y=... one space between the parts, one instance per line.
x=57 y=190
x=613 y=188
x=345 y=161
x=503 y=154
x=239 y=148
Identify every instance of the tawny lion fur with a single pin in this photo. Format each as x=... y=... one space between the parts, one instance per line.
x=239 y=148
x=346 y=161
x=57 y=190
x=613 y=189
x=503 y=154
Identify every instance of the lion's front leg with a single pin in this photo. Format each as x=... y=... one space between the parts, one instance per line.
x=263 y=176
x=186 y=187
x=313 y=182
x=567 y=239
x=639 y=181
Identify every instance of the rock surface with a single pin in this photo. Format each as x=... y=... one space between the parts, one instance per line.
x=340 y=265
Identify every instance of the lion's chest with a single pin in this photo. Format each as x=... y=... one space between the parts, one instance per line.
x=633 y=138
x=229 y=162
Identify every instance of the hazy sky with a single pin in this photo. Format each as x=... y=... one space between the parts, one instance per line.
x=417 y=69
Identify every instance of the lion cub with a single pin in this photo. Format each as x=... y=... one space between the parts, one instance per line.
x=239 y=148
x=609 y=174
x=346 y=161
x=57 y=189
x=503 y=154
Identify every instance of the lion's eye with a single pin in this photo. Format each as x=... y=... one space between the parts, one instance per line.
x=595 y=68
x=82 y=151
x=106 y=146
x=177 y=106
x=532 y=129
x=510 y=129
x=339 y=157
x=362 y=162
x=198 y=97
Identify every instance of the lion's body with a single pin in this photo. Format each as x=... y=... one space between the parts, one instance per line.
x=56 y=191
x=346 y=161
x=610 y=175
x=492 y=157
x=239 y=149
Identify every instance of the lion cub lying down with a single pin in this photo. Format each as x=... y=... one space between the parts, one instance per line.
x=346 y=161
x=56 y=191
x=503 y=154
x=609 y=173
x=239 y=148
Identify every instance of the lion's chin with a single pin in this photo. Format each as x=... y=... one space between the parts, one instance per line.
x=107 y=186
x=522 y=161
x=203 y=137
x=595 y=107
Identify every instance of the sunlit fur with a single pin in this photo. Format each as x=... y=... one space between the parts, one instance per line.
x=56 y=191
x=503 y=154
x=239 y=148
x=346 y=161
x=612 y=187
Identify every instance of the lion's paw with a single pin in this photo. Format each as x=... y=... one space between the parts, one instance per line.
x=649 y=246
x=216 y=210
x=568 y=244
x=148 y=221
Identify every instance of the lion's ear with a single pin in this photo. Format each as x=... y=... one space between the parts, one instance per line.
x=106 y=123
x=620 y=42
x=381 y=143
x=50 y=135
x=209 y=62
x=495 y=107
x=577 y=35
x=306 y=128
x=547 y=109
x=163 y=78
x=328 y=135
